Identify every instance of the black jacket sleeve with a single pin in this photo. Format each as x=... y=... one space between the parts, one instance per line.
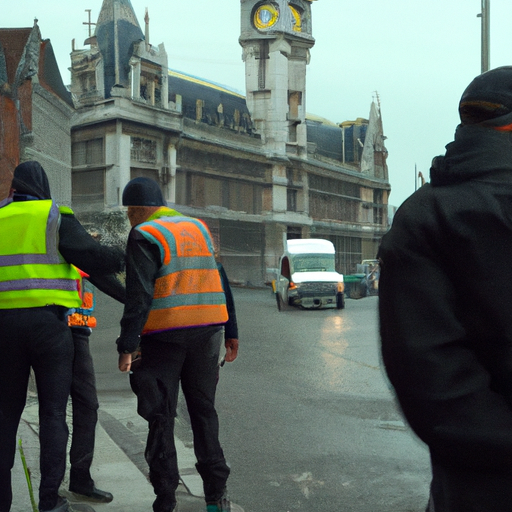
x=231 y=326
x=79 y=248
x=142 y=265
x=111 y=285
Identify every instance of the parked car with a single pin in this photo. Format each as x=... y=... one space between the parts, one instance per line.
x=306 y=276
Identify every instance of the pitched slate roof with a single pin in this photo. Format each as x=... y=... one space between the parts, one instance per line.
x=192 y=88
x=117 y=31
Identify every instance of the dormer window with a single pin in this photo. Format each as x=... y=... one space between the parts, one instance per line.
x=151 y=83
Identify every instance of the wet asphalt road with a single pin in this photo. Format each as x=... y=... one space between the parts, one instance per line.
x=308 y=421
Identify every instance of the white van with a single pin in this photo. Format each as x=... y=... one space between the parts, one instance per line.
x=306 y=275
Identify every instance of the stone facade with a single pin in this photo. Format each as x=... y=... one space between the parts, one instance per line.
x=255 y=167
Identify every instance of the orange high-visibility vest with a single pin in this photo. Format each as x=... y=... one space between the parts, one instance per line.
x=188 y=289
x=82 y=316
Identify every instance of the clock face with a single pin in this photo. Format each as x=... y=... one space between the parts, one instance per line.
x=296 y=19
x=266 y=16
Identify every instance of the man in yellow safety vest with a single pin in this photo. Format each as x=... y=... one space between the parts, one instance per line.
x=39 y=244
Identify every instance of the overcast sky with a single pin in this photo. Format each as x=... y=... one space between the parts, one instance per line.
x=418 y=56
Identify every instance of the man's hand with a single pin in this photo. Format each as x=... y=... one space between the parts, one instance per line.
x=126 y=360
x=231 y=345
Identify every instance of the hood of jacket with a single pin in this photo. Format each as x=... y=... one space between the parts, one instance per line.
x=477 y=151
x=31 y=180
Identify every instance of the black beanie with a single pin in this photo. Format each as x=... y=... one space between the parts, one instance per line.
x=143 y=192
x=488 y=96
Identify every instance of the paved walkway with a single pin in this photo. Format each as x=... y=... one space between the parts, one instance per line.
x=119 y=466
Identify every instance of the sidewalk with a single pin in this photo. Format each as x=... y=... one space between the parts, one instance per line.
x=118 y=467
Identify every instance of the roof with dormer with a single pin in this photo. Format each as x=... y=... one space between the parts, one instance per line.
x=118 y=32
x=220 y=103
x=326 y=136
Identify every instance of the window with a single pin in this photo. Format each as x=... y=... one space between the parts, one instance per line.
x=181 y=188
x=88 y=188
x=334 y=199
x=291 y=200
x=151 y=83
x=242 y=197
x=199 y=110
x=201 y=191
x=378 y=207
x=333 y=207
x=88 y=152
x=294 y=101
x=348 y=252
x=293 y=232
x=143 y=150
x=344 y=188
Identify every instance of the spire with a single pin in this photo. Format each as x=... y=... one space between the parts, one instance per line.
x=124 y=13
x=146 y=32
x=116 y=32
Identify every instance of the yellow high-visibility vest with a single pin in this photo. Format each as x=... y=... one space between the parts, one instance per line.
x=32 y=271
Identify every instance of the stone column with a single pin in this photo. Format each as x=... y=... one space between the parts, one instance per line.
x=135 y=78
x=117 y=162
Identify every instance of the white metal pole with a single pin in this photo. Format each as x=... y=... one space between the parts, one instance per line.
x=485 y=15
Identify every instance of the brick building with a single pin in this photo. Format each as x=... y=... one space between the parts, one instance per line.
x=35 y=107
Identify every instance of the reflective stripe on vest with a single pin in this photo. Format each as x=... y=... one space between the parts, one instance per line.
x=188 y=289
x=32 y=272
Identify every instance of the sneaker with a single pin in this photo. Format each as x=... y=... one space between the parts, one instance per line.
x=95 y=495
x=223 y=505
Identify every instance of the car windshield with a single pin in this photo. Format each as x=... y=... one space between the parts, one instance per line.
x=313 y=263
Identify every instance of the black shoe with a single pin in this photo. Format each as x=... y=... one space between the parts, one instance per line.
x=95 y=495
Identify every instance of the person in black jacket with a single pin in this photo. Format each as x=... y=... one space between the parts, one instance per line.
x=101 y=263
x=445 y=305
x=84 y=398
x=174 y=318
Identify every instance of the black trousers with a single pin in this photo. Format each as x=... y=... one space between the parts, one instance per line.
x=37 y=338
x=189 y=355
x=85 y=413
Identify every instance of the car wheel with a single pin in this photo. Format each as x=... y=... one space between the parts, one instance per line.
x=340 y=301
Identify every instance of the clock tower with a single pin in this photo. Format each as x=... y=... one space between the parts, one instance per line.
x=276 y=37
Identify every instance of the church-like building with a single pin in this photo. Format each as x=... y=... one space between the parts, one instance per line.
x=257 y=168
